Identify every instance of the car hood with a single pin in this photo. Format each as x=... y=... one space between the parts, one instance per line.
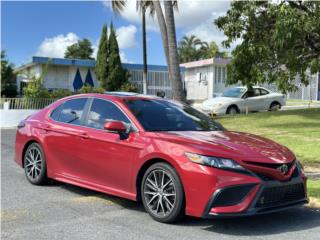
x=220 y=100
x=236 y=145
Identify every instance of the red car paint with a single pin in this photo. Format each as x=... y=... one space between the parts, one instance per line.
x=101 y=161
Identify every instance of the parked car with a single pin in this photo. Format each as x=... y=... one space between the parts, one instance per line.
x=173 y=158
x=240 y=99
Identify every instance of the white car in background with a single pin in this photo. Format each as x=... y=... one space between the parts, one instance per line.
x=240 y=99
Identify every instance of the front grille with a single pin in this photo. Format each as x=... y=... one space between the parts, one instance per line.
x=268 y=178
x=270 y=165
x=273 y=196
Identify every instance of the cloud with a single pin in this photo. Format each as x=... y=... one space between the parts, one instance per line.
x=124 y=58
x=126 y=36
x=131 y=14
x=192 y=17
x=56 y=46
x=188 y=15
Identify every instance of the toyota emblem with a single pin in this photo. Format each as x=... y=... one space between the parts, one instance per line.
x=283 y=169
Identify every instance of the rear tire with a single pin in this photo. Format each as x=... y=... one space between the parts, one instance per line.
x=275 y=106
x=35 y=166
x=162 y=193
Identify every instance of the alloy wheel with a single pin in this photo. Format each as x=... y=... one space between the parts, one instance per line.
x=159 y=193
x=33 y=163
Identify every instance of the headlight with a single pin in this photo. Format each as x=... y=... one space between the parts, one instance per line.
x=223 y=163
x=300 y=166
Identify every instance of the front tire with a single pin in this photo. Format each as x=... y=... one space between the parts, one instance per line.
x=35 y=166
x=232 y=110
x=162 y=193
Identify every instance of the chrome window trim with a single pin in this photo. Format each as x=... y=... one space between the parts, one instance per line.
x=86 y=111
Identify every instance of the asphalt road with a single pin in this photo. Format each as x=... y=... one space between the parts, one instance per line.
x=61 y=211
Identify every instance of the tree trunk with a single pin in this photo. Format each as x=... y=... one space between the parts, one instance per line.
x=176 y=82
x=163 y=30
x=144 y=46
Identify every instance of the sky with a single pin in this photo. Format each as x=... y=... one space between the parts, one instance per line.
x=43 y=28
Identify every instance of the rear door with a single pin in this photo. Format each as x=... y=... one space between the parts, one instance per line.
x=64 y=131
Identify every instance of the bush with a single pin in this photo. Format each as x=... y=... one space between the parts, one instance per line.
x=89 y=89
x=129 y=87
x=60 y=93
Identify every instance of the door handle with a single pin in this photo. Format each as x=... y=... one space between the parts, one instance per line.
x=84 y=135
x=47 y=128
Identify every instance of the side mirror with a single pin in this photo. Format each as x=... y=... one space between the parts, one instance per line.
x=116 y=126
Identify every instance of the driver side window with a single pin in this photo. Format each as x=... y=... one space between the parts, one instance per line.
x=102 y=111
x=254 y=93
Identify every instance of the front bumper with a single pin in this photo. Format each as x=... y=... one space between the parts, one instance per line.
x=270 y=196
x=214 y=110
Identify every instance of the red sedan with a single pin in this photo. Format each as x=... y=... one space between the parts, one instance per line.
x=171 y=157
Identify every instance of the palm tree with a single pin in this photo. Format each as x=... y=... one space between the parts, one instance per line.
x=168 y=32
x=188 y=48
x=142 y=6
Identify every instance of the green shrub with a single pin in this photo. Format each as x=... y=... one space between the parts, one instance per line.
x=89 y=89
x=129 y=87
x=60 y=93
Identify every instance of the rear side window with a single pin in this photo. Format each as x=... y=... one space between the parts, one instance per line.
x=56 y=113
x=71 y=111
x=102 y=111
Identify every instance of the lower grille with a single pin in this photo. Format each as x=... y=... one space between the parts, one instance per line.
x=273 y=196
x=231 y=195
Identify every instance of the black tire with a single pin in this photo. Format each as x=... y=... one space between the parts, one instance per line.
x=178 y=206
x=275 y=106
x=35 y=167
x=232 y=110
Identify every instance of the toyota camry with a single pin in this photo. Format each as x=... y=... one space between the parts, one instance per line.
x=174 y=159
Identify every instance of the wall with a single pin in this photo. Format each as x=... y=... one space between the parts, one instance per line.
x=11 y=118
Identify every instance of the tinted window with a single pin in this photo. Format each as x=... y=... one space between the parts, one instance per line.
x=263 y=92
x=233 y=92
x=72 y=110
x=161 y=115
x=102 y=111
x=56 y=113
x=252 y=93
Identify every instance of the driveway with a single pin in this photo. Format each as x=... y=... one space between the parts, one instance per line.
x=61 y=211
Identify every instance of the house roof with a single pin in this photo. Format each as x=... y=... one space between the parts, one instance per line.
x=206 y=62
x=86 y=63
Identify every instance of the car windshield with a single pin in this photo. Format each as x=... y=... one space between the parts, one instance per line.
x=233 y=92
x=163 y=115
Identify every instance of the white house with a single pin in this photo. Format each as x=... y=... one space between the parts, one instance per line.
x=206 y=78
x=202 y=79
x=71 y=74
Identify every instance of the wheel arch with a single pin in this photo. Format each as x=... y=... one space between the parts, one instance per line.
x=144 y=168
x=233 y=105
x=25 y=147
x=275 y=102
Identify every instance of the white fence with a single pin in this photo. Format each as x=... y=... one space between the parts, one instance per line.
x=23 y=103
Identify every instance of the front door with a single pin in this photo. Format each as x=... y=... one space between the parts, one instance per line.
x=252 y=100
x=106 y=158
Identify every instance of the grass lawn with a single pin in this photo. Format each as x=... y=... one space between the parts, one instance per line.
x=314 y=188
x=295 y=102
x=299 y=130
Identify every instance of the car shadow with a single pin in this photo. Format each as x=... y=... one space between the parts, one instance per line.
x=293 y=220
x=121 y=202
